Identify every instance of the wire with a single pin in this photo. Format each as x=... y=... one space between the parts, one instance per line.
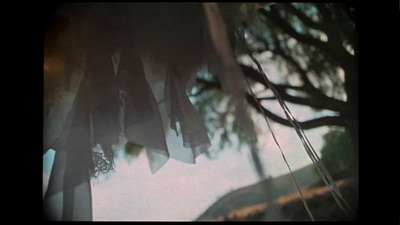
x=283 y=155
x=326 y=177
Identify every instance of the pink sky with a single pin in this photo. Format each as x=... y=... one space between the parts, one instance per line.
x=182 y=191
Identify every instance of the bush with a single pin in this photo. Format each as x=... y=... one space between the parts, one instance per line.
x=336 y=153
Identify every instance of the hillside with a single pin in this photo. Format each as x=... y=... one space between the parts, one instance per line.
x=251 y=203
x=255 y=194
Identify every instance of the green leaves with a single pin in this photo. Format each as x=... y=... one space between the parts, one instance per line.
x=337 y=152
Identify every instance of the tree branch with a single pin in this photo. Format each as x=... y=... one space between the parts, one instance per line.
x=335 y=39
x=313 y=102
x=209 y=84
x=329 y=49
x=319 y=101
x=287 y=28
x=340 y=55
x=303 y=18
x=313 y=123
x=266 y=98
x=307 y=86
x=318 y=122
x=307 y=83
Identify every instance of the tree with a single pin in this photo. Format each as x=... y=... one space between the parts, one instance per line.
x=314 y=46
x=335 y=153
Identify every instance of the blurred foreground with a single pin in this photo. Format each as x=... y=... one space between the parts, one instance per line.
x=251 y=203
